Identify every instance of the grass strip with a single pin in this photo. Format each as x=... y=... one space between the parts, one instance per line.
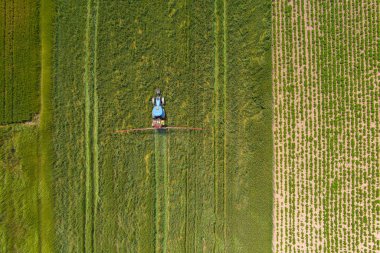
x=47 y=12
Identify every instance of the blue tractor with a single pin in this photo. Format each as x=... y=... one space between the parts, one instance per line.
x=158 y=118
x=158 y=111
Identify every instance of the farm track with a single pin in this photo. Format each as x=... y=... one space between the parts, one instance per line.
x=91 y=124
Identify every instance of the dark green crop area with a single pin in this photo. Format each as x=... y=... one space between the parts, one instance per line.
x=20 y=60
x=174 y=191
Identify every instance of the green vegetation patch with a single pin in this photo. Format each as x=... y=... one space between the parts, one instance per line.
x=20 y=67
x=19 y=215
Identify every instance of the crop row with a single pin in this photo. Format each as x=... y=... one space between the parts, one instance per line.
x=326 y=125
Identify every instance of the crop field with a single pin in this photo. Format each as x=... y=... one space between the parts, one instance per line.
x=25 y=213
x=287 y=93
x=19 y=65
x=208 y=191
x=326 y=126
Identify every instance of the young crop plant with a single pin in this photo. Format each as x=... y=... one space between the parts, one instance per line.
x=324 y=138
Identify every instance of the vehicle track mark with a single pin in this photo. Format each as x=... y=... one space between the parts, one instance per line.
x=161 y=192
x=215 y=106
x=220 y=126
x=165 y=172
x=96 y=124
x=91 y=125
x=156 y=200
x=225 y=119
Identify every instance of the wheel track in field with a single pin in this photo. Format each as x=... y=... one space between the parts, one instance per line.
x=225 y=119
x=91 y=125
x=215 y=126
x=161 y=209
x=220 y=115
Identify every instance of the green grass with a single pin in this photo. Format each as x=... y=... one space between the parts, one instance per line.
x=19 y=221
x=46 y=151
x=69 y=184
x=20 y=70
x=248 y=128
x=25 y=222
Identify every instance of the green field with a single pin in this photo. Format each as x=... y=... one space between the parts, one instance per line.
x=25 y=155
x=72 y=185
x=20 y=64
x=288 y=159
x=173 y=191
x=326 y=126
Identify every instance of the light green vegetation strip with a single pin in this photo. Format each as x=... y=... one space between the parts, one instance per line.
x=161 y=192
x=46 y=118
x=91 y=124
x=165 y=172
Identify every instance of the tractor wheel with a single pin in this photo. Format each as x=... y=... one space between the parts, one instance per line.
x=152 y=101
x=163 y=101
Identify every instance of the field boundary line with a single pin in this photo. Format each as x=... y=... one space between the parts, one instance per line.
x=13 y=59
x=45 y=150
x=91 y=127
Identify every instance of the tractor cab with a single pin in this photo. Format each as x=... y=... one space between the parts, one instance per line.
x=159 y=118
x=158 y=111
